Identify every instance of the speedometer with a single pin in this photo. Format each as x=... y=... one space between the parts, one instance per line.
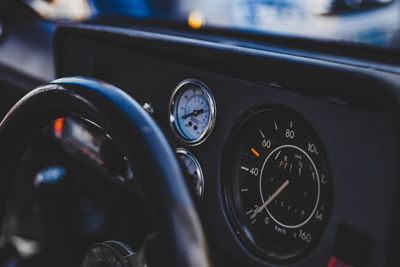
x=276 y=184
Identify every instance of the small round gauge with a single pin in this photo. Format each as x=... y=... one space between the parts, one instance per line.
x=193 y=173
x=277 y=185
x=192 y=112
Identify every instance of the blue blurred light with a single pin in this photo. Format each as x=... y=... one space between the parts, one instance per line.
x=50 y=175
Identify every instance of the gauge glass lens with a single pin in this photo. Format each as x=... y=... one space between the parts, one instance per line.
x=277 y=187
x=193 y=112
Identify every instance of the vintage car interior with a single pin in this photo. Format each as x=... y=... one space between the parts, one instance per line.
x=196 y=133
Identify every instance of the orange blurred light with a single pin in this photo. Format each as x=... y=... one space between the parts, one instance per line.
x=58 y=127
x=196 y=19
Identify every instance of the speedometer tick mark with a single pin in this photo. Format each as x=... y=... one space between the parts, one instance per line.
x=255 y=152
x=262 y=134
x=277 y=155
x=276 y=126
x=244 y=168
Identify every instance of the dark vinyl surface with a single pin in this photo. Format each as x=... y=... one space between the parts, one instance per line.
x=359 y=135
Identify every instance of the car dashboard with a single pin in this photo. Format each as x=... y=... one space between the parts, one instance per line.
x=291 y=155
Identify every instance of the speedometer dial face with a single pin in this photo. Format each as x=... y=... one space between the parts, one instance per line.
x=277 y=184
x=192 y=112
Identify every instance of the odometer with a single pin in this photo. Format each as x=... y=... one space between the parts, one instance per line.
x=276 y=184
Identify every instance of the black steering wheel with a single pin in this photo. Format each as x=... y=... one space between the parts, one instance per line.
x=137 y=136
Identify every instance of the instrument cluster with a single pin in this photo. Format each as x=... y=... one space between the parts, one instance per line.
x=275 y=176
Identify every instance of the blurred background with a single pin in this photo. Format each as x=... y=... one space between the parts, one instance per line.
x=369 y=22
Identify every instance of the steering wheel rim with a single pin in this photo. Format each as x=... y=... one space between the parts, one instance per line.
x=134 y=132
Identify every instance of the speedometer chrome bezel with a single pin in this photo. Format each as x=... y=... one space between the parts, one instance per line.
x=241 y=229
x=174 y=102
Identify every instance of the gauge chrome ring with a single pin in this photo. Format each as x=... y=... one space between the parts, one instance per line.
x=199 y=173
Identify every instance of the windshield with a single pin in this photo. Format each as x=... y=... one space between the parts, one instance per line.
x=365 y=22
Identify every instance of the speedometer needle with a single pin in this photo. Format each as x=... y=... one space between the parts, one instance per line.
x=269 y=200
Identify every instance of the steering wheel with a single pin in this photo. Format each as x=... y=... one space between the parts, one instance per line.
x=137 y=136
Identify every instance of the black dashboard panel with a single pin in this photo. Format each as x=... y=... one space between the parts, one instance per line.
x=359 y=134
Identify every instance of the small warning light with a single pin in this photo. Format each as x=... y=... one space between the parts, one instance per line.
x=283 y=165
x=337 y=263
